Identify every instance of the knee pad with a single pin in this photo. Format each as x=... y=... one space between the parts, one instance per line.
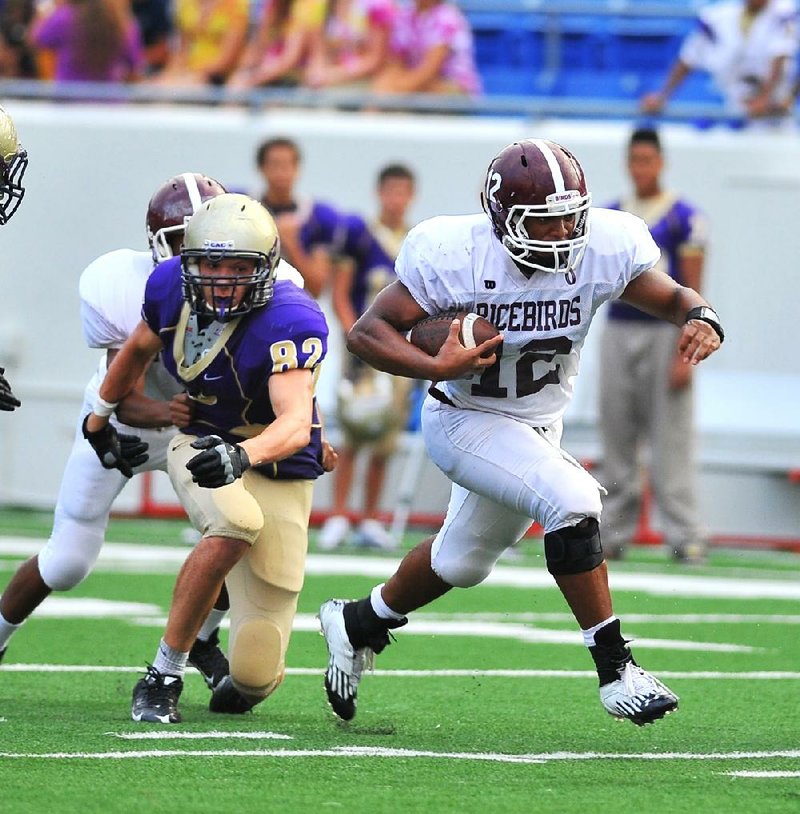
x=257 y=658
x=464 y=571
x=70 y=554
x=574 y=549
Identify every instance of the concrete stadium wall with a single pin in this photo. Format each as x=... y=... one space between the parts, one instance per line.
x=93 y=169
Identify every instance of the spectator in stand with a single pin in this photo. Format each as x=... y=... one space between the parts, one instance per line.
x=646 y=386
x=372 y=406
x=211 y=36
x=16 y=54
x=354 y=45
x=308 y=229
x=432 y=52
x=279 y=49
x=155 y=25
x=750 y=49
x=93 y=40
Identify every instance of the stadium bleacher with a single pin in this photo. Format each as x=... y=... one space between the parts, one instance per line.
x=596 y=49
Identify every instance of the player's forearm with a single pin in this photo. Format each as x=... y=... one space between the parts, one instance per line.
x=123 y=374
x=138 y=410
x=384 y=348
x=286 y=435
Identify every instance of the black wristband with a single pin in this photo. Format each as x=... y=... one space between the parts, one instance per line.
x=709 y=315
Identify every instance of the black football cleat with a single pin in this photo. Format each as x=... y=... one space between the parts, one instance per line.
x=209 y=660
x=155 y=698
x=227 y=699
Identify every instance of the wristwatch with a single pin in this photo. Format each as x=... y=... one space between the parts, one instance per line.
x=709 y=315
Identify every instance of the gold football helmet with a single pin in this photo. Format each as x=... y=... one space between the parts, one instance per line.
x=229 y=226
x=13 y=163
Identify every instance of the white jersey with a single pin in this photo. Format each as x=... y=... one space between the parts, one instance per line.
x=112 y=291
x=741 y=60
x=457 y=263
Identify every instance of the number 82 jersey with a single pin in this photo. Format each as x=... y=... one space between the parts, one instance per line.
x=457 y=263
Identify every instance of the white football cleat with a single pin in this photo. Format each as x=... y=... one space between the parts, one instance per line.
x=345 y=663
x=637 y=696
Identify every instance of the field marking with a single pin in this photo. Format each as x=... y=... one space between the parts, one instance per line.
x=472 y=625
x=377 y=751
x=463 y=625
x=754 y=675
x=69 y=607
x=152 y=735
x=762 y=774
x=657 y=618
x=137 y=558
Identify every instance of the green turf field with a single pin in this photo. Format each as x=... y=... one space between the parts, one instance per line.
x=486 y=702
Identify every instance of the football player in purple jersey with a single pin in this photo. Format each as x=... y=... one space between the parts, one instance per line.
x=246 y=348
x=13 y=163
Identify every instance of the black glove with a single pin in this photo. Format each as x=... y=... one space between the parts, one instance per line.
x=8 y=401
x=219 y=464
x=116 y=451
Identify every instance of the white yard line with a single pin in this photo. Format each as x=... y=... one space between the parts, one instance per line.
x=166 y=559
x=711 y=675
x=763 y=774
x=160 y=734
x=377 y=751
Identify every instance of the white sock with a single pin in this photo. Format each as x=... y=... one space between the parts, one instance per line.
x=213 y=621
x=169 y=661
x=588 y=635
x=380 y=607
x=7 y=630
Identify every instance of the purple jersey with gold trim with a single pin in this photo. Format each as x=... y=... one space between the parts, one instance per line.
x=229 y=382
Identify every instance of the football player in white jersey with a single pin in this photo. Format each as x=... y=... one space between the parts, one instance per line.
x=538 y=267
x=111 y=291
x=13 y=163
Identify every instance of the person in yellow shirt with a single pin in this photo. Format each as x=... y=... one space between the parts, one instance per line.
x=211 y=36
x=280 y=46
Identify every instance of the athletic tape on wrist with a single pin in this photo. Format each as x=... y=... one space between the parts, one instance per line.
x=104 y=408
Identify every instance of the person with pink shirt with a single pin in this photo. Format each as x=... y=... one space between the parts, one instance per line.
x=354 y=44
x=432 y=52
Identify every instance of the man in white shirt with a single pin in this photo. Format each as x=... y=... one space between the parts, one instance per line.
x=538 y=267
x=750 y=48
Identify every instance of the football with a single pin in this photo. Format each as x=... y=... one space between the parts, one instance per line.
x=429 y=334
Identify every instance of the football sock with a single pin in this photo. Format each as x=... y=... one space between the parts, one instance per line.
x=589 y=635
x=170 y=662
x=380 y=607
x=7 y=630
x=213 y=621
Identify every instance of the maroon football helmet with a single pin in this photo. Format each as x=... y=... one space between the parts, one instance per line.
x=172 y=204
x=537 y=178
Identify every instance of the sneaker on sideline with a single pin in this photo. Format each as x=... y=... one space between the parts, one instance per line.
x=333 y=533
x=372 y=533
